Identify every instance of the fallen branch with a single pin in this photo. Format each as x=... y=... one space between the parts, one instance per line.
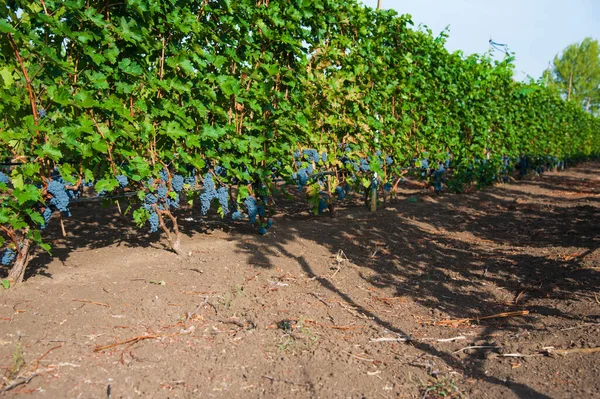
x=390 y=339
x=520 y=355
x=477 y=347
x=360 y=358
x=18 y=383
x=459 y=338
x=133 y=340
x=494 y=316
x=339 y=327
x=37 y=361
x=92 y=302
x=564 y=352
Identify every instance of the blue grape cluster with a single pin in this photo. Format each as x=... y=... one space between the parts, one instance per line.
x=164 y=175
x=438 y=178
x=523 y=165
x=42 y=113
x=154 y=222
x=322 y=205
x=251 y=208
x=149 y=201
x=220 y=171
x=122 y=180
x=163 y=198
x=341 y=193
x=208 y=195
x=60 y=197
x=312 y=155
x=4 y=178
x=8 y=257
x=364 y=165
x=46 y=214
x=254 y=210
x=211 y=192
x=162 y=192
x=190 y=180
x=222 y=196
x=177 y=183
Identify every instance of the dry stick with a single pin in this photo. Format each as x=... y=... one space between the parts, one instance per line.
x=520 y=295
x=92 y=302
x=520 y=355
x=16 y=384
x=133 y=340
x=62 y=226
x=477 y=347
x=564 y=352
x=459 y=338
x=29 y=88
x=386 y=339
x=358 y=357
x=175 y=243
x=37 y=361
x=494 y=316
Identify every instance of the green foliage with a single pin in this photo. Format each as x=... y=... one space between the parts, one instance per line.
x=577 y=73
x=94 y=90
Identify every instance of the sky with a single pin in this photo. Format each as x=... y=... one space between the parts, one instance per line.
x=535 y=30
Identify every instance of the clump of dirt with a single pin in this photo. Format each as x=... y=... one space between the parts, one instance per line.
x=490 y=294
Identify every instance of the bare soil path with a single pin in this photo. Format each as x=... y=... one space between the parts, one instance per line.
x=393 y=304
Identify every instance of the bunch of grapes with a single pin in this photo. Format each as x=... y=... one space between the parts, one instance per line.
x=190 y=180
x=251 y=208
x=123 y=181
x=177 y=183
x=60 y=197
x=8 y=257
x=312 y=155
x=364 y=165
x=438 y=178
x=149 y=201
x=208 y=195
x=46 y=214
x=4 y=178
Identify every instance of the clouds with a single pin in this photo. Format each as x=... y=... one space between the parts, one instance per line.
x=536 y=30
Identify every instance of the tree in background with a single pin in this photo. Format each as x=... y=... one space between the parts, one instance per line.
x=576 y=74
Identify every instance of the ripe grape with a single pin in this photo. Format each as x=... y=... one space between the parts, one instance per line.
x=223 y=196
x=8 y=257
x=60 y=198
x=162 y=192
x=252 y=208
x=123 y=181
x=164 y=175
x=177 y=183
x=153 y=222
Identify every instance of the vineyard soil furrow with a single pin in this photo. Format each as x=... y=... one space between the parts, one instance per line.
x=488 y=294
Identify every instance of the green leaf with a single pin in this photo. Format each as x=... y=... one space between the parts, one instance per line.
x=7 y=77
x=5 y=27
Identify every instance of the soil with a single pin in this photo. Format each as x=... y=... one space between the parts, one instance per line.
x=390 y=304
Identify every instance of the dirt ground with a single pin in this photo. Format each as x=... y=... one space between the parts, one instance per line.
x=391 y=304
